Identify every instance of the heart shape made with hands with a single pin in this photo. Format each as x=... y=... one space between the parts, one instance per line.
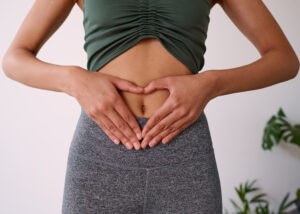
x=155 y=85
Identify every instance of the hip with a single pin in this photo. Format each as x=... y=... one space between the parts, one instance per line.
x=90 y=142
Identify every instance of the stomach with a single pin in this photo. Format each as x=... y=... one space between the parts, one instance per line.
x=145 y=61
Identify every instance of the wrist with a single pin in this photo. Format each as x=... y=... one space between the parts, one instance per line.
x=213 y=79
x=70 y=80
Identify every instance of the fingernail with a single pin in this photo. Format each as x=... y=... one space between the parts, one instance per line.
x=151 y=143
x=145 y=143
x=139 y=136
x=136 y=145
x=129 y=145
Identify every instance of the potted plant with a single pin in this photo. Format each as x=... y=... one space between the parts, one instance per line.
x=279 y=129
x=258 y=204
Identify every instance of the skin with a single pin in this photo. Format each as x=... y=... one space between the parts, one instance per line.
x=278 y=63
x=151 y=82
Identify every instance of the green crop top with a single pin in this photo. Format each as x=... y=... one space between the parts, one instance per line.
x=113 y=26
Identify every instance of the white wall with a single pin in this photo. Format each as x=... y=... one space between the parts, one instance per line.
x=237 y=120
x=36 y=126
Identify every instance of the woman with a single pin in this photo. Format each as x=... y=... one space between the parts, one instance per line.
x=142 y=79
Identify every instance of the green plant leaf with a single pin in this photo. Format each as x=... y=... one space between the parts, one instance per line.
x=296 y=133
x=236 y=206
x=226 y=211
x=281 y=113
x=252 y=182
x=258 y=198
x=298 y=193
x=290 y=203
x=260 y=209
x=241 y=193
x=272 y=130
x=277 y=129
x=284 y=205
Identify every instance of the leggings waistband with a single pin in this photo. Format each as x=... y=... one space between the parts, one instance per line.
x=91 y=143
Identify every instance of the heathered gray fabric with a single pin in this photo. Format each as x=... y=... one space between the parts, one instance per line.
x=178 y=177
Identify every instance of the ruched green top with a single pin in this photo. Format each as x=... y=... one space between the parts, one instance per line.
x=113 y=26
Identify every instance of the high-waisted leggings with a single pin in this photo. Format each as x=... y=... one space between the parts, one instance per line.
x=178 y=177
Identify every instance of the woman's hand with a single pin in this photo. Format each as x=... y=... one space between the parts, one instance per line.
x=97 y=94
x=189 y=94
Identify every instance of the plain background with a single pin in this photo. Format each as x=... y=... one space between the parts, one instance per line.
x=36 y=126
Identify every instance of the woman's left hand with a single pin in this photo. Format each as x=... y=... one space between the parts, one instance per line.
x=189 y=94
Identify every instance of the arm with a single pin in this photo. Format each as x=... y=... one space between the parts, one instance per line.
x=96 y=92
x=278 y=60
x=277 y=64
x=20 y=63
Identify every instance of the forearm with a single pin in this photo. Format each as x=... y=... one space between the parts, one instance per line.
x=22 y=66
x=274 y=67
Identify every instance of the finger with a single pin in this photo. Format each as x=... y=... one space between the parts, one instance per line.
x=123 y=110
x=108 y=132
x=173 y=134
x=123 y=126
x=162 y=112
x=154 y=134
x=160 y=83
x=107 y=124
x=126 y=85
x=179 y=125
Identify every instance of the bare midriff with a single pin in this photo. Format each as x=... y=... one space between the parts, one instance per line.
x=145 y=61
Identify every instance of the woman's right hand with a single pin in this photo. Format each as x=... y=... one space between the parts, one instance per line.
x=97 y=94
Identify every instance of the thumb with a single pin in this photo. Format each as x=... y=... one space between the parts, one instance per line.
x=156 y=84
x=126 y=85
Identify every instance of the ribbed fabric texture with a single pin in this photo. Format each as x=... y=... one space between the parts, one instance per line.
x=113 y=26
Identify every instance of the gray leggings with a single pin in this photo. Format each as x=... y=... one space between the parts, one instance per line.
x=178 y=177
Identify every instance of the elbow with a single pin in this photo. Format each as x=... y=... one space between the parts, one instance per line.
x=291 y=62
x=8 y=64
x=295 y=66
x=288 y=61
x=5 y=63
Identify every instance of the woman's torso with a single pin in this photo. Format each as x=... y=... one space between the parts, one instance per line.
x=145 y=61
